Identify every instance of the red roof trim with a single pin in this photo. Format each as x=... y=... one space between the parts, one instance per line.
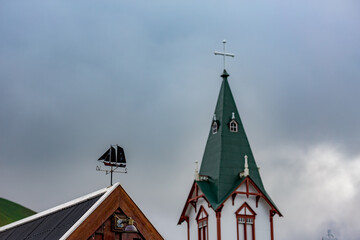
x=183 y=216
x=245 y=205
x=118 y=198
x=249 y=180
x=202 y=209
x=195 y=188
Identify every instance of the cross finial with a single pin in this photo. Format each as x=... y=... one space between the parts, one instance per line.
x=224 y=54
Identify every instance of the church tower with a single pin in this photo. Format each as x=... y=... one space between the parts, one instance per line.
x=227 y=199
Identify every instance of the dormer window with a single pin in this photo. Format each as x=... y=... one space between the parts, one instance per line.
x=214 y=127
x=233 y=126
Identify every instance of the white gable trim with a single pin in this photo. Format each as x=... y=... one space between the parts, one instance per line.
x=107 y=191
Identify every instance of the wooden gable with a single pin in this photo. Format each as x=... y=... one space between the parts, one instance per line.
x=87 y=217
x=100 y=223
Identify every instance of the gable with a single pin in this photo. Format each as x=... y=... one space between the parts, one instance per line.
x=245 y=210
x=202 y=214
x=194 y=196
x=82 y=218
x=118 y=200
x=246 y=187
x=249 y=188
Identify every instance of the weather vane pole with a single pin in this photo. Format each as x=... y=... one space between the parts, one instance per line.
x=224 y=54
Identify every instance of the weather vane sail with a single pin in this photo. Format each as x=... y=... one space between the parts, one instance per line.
x=224 y=53
x=114 y=159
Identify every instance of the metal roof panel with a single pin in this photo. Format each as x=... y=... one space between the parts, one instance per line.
x=52 y=225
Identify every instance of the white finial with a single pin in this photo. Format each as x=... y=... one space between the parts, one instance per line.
x=246 y=172
x=246 y=166
x=233 y=115
x=224 y=54
x=197 y=176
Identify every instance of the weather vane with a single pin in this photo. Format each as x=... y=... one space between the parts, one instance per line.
x=224 y=54
x=114 y=159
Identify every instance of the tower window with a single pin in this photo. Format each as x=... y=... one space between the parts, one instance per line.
x=202 y=220
x=245 y=220
x=214 y=127
x=233 y=126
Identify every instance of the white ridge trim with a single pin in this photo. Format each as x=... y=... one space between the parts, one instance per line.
x=64 y=205
x=109 y=190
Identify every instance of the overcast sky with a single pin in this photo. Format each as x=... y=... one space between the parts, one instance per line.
x=77 y=76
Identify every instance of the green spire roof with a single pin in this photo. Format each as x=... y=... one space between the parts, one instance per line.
x=225 y=151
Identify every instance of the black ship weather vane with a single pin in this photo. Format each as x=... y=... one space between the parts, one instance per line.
x=114 y=158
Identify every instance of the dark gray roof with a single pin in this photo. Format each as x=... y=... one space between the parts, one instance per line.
x=52 y=225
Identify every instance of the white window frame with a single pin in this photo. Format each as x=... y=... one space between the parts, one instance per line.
x=203 y=228
x=233 y=126
x=214 y=127
x=245 y=219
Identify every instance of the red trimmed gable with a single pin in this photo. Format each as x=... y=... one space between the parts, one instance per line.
x=99 y=224
x=195 y=194
x=88 y=217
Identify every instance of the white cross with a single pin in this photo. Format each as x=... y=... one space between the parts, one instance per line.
x=225 y=54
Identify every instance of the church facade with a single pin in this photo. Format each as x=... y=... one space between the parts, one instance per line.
x=227 y=199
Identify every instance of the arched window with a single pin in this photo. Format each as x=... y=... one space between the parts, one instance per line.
x=202 y=220
x=214 y=127
x=245 y=221
x=233 y=126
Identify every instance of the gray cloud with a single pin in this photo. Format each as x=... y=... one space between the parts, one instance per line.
x=78 y=76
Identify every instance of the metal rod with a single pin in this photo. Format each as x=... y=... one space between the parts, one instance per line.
x=107 y=171
x=224 y=42
x=111 y=172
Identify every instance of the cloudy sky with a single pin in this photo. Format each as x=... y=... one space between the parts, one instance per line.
x=77 y=76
